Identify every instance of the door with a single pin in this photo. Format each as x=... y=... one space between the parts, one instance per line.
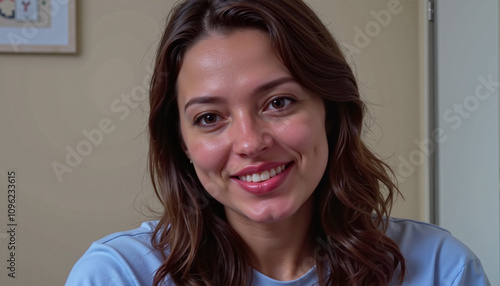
x=467 y=125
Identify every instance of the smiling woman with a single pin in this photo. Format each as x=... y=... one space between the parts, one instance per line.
x=257 y=157
x=242 y=115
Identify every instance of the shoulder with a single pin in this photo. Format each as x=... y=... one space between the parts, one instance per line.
x=433 y=256
x=416 y=238
x=123 y=258
x=136 y=238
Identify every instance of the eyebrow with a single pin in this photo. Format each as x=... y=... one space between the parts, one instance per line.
x=260 y=89
x=203 y=100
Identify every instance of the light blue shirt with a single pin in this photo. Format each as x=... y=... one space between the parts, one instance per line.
x=433 y=257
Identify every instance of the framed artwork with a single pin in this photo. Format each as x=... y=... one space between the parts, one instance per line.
x=38 y=26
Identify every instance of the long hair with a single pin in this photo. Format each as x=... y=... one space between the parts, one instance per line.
x=354 y=197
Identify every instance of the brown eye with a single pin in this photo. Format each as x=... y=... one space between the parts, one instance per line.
x=209 y=118
x=280 y=103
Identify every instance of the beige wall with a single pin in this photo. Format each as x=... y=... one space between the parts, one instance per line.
x=387 y=43
x=50 y=101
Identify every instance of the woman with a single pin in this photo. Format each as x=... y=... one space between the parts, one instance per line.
x=256 y=155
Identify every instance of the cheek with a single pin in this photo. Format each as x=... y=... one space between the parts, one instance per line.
x=209 y=159
x=208 y=155
x=305 y=135
x=202 y=149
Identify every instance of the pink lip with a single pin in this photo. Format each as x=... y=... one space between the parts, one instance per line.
x=265 y=186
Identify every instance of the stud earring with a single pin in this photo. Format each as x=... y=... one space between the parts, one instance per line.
x=191 y=161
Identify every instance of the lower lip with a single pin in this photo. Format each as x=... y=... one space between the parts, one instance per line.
x=265 y=186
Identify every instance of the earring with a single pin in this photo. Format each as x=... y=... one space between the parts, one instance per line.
x=191 y=162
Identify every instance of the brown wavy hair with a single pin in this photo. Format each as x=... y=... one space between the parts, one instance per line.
x=354 y=197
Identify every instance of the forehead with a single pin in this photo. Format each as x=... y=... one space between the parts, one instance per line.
x=228 y=61
x=218 y=48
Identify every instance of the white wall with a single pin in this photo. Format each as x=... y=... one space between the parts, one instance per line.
x=467 y=59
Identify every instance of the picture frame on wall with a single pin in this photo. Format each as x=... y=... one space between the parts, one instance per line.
x=38 y=26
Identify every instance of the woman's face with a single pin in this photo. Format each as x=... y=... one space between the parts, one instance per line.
x=256 y=138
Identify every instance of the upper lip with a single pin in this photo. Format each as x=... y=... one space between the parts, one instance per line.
x=252 y=169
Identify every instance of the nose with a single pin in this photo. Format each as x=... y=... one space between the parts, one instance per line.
x=251 y=137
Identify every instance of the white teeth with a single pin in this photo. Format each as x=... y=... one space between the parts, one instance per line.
x=272 y=173
x=256 y=178
x=265 y=175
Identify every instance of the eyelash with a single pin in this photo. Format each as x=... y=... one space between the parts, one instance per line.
x=198 y=120
x=288 y=100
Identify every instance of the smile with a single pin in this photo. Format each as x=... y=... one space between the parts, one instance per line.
x=263 y=176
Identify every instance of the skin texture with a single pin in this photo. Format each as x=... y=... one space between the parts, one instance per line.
x=241 y=112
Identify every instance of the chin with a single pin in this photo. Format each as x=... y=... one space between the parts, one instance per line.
x=271 y=214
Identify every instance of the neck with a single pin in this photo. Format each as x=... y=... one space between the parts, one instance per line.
x=281 y=250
